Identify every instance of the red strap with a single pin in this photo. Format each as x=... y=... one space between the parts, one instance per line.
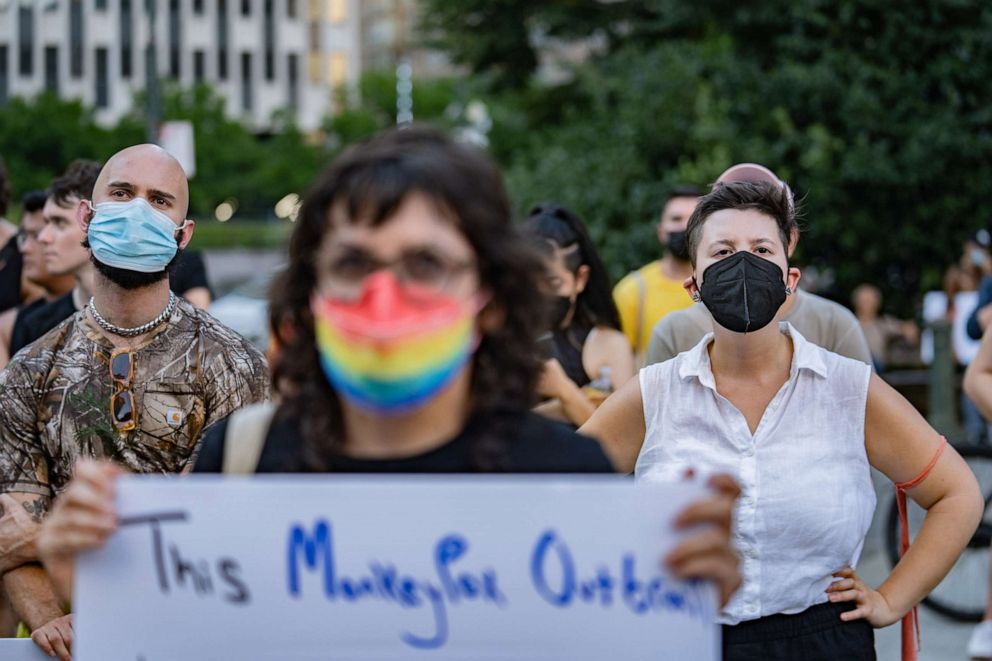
x=911 y=621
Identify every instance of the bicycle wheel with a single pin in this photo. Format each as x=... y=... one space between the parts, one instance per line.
x=963 y=592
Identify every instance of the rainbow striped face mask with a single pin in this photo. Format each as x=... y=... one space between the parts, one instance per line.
x=389 y=351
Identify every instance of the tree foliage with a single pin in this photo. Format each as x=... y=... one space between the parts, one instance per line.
x=878 y=115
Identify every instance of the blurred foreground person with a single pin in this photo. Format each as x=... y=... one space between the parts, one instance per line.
x=800 y=427
x=413 y=307
x=135 y=376
x=589 y=355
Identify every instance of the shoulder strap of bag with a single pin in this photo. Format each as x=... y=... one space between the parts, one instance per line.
x=639 y=351
x=245 y=438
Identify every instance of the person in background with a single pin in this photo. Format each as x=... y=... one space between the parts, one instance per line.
x=822 y=322
x=405 y=243
x=135 y=377
x=965 y=301
x=965 y=275
x=61 y=242
x=34 y=270
x=978 y=388
x=981 y=316
x=10 y=256
x=189 y=279
x=799 y=426
x=655 y=290
x=590 y=356
x=880 y=331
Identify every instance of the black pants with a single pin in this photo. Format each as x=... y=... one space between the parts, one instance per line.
x=816 y=634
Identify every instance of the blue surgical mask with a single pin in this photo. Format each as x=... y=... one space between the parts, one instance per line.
x=132 y=235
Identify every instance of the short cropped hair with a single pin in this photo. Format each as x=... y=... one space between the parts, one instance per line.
x=768 y=198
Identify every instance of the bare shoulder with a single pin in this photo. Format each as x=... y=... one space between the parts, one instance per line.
x=619 y=425
x=608 y=339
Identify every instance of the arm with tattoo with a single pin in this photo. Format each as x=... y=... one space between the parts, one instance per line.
x=21 y=515
x=28 y=587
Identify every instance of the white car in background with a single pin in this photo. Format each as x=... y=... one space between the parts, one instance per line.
x=245 y=309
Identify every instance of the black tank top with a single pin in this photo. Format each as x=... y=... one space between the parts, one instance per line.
x=10 y=275
x=568 y=350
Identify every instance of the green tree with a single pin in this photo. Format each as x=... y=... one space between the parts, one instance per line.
x=39 y=137
x=879 y=117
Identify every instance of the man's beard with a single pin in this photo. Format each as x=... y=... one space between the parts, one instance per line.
x=127 y=279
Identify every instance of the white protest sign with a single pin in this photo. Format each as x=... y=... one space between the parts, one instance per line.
x=363 y=567
x=21 y=649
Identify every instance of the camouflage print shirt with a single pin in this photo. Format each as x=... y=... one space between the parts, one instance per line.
x=55 y=398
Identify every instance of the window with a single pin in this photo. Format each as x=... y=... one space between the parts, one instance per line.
x=175 y=39
x=3 y=75
x=292 y=67
x=101 y=5
x=127 y=50
x=313 y=68
x=76 y=38
x=102 y=79
x=246 y=7
x=270 y=40
x=222 y=39
x=337 y=11
x=52 y=69
x=247 y=93
x=199 y=66
x=291 y=8
x=337 y=72
x=197 y=6
x=25 y=40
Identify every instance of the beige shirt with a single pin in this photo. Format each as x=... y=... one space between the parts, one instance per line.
x=822 y=322
x=56 y=392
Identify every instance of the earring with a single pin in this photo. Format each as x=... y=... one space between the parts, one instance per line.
x=696 y=298
x=788 y=291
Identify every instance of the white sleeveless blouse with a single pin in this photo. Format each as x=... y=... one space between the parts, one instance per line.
x=807 y=497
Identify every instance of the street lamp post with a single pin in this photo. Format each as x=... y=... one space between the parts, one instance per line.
x=152 y=108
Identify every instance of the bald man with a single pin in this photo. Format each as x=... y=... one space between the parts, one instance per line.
x=135 y=376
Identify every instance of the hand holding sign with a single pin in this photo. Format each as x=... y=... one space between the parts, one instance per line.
x=370 y=568
x=82 y=519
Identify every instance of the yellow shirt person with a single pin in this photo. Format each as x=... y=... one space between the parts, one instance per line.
x=643 y=298
x=649 y=293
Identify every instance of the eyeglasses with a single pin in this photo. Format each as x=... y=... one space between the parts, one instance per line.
x=423 y=269
x=122 y=401
x=23 y=236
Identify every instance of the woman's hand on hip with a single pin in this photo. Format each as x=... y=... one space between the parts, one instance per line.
x=871 y=604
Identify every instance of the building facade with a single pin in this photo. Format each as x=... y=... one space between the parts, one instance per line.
x=262 y=56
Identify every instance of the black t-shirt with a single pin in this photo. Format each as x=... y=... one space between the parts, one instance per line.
x=30 y=325
x=189 y=272
x=10 y=275
x=534 y=445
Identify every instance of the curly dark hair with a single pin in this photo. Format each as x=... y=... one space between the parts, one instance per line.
x=770 y=199
x=370 y=182
x=564 y=229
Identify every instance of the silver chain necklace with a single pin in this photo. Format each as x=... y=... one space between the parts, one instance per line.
x=137 y=330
